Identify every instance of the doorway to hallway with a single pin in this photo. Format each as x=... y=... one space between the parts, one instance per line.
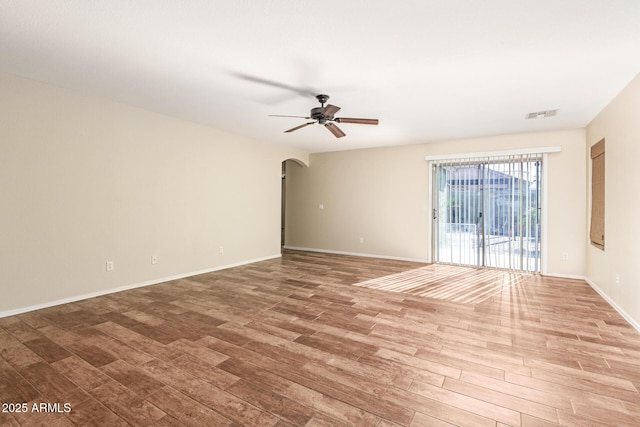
x=283 y=204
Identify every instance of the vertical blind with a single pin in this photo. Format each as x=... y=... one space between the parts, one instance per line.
x=487 y=211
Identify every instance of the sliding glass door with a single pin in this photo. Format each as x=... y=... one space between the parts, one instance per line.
x=487 y=212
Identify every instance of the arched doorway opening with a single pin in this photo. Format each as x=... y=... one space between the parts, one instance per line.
x=286 y=164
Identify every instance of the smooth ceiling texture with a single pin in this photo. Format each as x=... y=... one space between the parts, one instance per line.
x=429 y=70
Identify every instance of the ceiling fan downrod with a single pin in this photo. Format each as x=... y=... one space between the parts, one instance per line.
x=322 y=99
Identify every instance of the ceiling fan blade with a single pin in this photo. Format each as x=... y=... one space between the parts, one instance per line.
x=280 y=115
x=298 y=127
x=335 y=130
x=358 y=121
x=299 y=90
x=330 y=110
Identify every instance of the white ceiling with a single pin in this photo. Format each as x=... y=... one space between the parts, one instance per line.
x=429 y=70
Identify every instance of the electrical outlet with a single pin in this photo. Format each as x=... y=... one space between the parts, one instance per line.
x=221 y=249
x=362 y=240
x=110 y=265
x=565 y=256
x=154 y=259
x=617 y=279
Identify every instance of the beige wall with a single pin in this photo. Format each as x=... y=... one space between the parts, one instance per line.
x=619 y=124
x=382 y=195
x=85 y=180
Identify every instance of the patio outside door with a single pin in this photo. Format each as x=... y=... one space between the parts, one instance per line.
x=487 y=212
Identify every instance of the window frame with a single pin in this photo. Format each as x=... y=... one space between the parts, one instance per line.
x=597 y=227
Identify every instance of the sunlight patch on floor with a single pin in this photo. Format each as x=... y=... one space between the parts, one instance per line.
x=463 y=285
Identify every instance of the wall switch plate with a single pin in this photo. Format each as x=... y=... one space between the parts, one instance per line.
x=221 y=249
x=110 y=265
x=154 y=259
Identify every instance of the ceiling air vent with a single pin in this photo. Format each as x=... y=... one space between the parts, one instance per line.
x=541 y=114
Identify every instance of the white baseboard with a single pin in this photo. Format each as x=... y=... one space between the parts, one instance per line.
x=565 y=276
x=326 y=251
x=128 y=287
x=619 y=309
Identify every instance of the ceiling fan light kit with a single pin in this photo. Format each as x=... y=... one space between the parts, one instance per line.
x=325 y=115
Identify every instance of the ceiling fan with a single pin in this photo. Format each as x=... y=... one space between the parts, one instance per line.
x=325 y=115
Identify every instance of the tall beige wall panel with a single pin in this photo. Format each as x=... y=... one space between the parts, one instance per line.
x=85 y=180
x=376 y=201
x=614 y=270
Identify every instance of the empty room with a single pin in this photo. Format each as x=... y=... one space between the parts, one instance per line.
x=297 y=213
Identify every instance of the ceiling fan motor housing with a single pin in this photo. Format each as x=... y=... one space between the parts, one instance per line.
x=317 y=114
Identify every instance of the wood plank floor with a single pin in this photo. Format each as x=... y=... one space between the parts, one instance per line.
x=465 y=285
x=292 y=342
